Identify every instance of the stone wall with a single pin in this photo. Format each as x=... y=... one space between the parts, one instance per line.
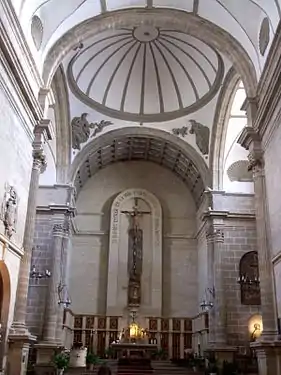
x=90 y=243
x=239 y=238
x=272 y=141
x=15 y=160
x=52 y=203
x=41 y=259
x=15 y=169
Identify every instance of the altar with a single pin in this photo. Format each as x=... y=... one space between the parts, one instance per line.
x=133 y=343
x=133 y=350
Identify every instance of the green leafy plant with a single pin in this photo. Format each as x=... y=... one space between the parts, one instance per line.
x=93 y=359
x=61 y=361
x=109 y=352
x=213 y=368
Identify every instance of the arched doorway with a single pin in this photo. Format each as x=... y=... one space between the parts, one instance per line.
x=5 y=294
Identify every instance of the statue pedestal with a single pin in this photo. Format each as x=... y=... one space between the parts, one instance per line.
x=78 y=358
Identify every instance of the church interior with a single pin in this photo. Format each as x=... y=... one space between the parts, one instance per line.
x=139 y=210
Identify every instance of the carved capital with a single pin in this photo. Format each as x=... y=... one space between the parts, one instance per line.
x=39 y=160
x=214 y=235
x=61 y=229
x=256 y=160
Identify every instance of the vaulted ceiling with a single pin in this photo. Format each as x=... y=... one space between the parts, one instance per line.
x=244 y=20
x=162 y=63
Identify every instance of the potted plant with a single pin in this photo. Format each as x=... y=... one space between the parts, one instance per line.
x=229 y=368
x=213 y=368
x=92 y=360
x=193 y=364
x=109 y=352
x=61 y=361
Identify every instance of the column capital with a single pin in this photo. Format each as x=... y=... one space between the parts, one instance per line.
x=61 y=229
x=256 y=160
x=39 y=160
x=214 y=235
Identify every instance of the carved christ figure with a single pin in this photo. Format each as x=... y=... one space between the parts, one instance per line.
x=135 y=249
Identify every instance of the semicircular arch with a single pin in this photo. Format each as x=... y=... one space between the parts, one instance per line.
x=152 y=145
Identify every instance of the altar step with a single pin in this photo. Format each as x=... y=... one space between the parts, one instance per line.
x=159 y=368
x=168 y=368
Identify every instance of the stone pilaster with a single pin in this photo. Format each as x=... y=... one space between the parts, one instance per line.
x=267 y=348
x=215 y=292
x=56 y=272
x=64 y=255
x=19 y=335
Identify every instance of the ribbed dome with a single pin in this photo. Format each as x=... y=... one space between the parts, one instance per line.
x=145 y=74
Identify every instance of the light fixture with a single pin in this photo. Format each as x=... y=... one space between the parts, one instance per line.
x=63 y=294
x=245 y=279
x=207 y=303
x=206 y=306
x=35 y=274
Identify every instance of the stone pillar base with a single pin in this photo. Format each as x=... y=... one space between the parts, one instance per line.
x=46 y=351
x=45 y=356
x=269 y=357
x=221 y=353
x=19 y=345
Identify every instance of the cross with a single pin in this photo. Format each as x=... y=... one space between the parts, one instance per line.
x=135 y=213
x=133 y=316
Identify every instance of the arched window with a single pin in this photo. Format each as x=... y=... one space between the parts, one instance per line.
x=236 y=176
x=249 y=279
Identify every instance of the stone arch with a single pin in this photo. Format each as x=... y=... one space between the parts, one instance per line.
x=5 y=295
x=62 y=117
x=219 y=129
x=104 y=139
x=114 y=306
x=159 y=17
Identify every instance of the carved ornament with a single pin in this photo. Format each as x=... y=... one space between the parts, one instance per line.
x=9 y=210
x=202 y=135
x=264 y=36
x=39 y=160
x=81 y=129
x=183 y=131
x=214 y=235
x=61 y=228
x=256 y=160
x=201 y=132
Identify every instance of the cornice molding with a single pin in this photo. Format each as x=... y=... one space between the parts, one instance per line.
x=269 y=87
x=8 y=12
x=18 y=61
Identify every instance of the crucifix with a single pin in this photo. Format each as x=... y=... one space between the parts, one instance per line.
x=135 y=242
x=135 y=214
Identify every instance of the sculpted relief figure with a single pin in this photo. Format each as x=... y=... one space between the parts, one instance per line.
x=81 y=129
x=202 y=135
x=9 y=210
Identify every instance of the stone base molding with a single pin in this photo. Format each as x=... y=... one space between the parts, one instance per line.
x=269 y=357
x=18 y=353
x=222 y=353
x=44 y=357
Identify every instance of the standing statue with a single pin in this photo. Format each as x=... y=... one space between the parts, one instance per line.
x=202 y=135
x=9 y=210
x=135 y=255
